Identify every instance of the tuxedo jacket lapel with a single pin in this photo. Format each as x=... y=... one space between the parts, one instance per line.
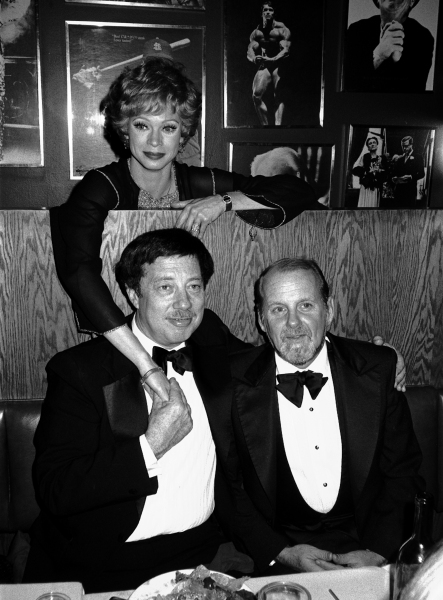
x=256 y=401
x=359 y=397
x=124 y=397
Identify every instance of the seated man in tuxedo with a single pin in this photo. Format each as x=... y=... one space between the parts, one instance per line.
x=326 y=461
x=125 y=496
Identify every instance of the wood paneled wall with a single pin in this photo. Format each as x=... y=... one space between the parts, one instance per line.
x=385 y=267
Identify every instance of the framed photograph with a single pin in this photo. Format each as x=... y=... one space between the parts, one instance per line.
x=273 y=64
x=189 y=4
x=21 y=115
x=391 y=48
x=389 y=167
x=96 y=55
x=313 y=163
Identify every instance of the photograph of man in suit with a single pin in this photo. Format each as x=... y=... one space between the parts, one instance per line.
x=125 y=483
x=390 y=51
x=327 y=457
x=407 y=169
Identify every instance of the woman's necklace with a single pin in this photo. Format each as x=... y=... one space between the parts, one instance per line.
x=146 y=200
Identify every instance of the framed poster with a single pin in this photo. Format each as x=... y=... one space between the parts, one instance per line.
x=273 y=64
x=190 y=4
x=391 y=47
x=21 y=115
x=389 y=167
x=96 y=55
x=311 y=162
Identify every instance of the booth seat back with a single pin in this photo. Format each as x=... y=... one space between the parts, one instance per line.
x=18 y=421
x=426 y=405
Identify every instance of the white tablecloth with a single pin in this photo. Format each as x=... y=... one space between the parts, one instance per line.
x=369 y=583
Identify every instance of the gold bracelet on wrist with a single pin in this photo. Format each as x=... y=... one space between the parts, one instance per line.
x=149 y=373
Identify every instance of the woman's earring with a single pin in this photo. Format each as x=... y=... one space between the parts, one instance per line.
x=181 y=147
x=126 y=142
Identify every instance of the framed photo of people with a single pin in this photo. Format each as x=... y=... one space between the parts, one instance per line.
x=189 y=4
x=390 y=46
x=389 y=167
x=273 y=63
x=96 y=54
x=21 y=117
x=312 y=162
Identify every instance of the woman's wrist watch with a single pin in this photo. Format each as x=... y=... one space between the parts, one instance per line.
x=228 y=201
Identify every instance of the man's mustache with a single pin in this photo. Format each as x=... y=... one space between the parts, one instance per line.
x=294 y=332
x=182 y=314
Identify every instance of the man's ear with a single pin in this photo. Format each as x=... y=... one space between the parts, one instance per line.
x=330 y=310
x=133 y=297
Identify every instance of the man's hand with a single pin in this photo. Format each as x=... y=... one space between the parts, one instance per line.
x=169 y=422
x=359 y=558
x=391 y=44
x=305 y=558
x=400 y=368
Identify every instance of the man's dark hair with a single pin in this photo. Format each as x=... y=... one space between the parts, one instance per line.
x=149 y=246
x=286 y=265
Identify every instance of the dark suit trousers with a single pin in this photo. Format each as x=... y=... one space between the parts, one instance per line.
x=131 y=564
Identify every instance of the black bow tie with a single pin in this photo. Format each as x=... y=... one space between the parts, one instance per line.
x=181 y=359
x=291 y=385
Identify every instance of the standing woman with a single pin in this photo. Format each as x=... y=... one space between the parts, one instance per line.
x=154 y=109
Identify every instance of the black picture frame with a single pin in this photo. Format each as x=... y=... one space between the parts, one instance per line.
x=96 y=53
x=300 y=88
x=391 y=179
x=312 y=162
x=368 y=67
x=172 y=4
x=21 y=114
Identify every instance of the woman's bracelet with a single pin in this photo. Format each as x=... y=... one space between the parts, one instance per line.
x=149 y=373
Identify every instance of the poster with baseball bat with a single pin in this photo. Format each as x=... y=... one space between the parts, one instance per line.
x=97 y=53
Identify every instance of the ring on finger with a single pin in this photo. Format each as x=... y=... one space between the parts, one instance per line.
x=195 y=228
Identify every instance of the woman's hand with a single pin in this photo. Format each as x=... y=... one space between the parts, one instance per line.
x=157 y=383
x=198 y=213
x=400 y=369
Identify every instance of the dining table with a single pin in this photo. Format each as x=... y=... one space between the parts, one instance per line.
x=367 y=583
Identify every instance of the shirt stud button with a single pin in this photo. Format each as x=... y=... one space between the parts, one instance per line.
x=317 y=447
x=311 y=409
x=325 y=485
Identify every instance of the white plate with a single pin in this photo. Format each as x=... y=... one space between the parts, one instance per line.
x=162 y=584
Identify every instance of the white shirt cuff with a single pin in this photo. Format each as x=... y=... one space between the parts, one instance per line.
x=151 y=461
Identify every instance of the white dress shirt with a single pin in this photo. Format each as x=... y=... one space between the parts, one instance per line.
x=311 y=437
x=185 y=495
